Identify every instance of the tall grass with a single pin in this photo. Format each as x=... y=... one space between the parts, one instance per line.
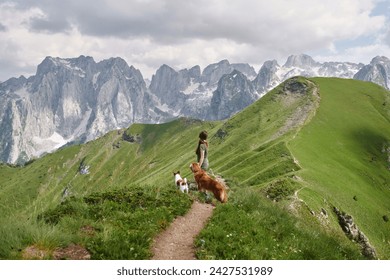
x=255 y=228
x=119 y=224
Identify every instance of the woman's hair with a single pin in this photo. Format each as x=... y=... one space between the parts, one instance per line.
x=203 y=135
x=202 y=140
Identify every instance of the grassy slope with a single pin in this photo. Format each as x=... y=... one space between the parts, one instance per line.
x=340 y=152
x=247 y=150
x=38 y=190
x=259 y=165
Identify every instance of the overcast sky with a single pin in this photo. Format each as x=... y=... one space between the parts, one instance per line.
x=184 y=33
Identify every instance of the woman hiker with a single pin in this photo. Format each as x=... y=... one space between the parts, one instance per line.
x=202 y=150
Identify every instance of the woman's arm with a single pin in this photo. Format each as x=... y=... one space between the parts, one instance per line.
x=201 y=159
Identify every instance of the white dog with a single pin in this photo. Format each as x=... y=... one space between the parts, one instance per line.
x=180 y=182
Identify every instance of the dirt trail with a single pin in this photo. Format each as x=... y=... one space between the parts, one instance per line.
x=176 y=242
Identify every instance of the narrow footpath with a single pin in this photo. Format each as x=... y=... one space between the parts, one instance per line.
x=177 y=241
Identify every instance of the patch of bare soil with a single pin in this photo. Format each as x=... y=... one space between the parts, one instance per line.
x=33 y=252
x=72 y=252
x=88 y=230
x=177 y=241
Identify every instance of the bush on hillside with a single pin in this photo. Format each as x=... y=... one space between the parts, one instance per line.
x=280 y=189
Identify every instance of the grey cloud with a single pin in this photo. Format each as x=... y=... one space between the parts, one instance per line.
x=50 y=26
x=8 y=69
x=58 y=15
x=175 y=21
x=165 y=21
x=3 y=28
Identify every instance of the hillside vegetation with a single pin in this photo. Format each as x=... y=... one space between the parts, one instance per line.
x=294 y=160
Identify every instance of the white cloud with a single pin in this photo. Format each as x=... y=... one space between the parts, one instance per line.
x=361 y=54
x=148 y=33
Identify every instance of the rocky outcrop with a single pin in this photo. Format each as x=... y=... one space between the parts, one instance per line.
x=386 y=151
x=131 y=138
x=354 y=233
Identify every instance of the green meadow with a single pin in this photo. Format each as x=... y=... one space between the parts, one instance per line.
x=306 y=147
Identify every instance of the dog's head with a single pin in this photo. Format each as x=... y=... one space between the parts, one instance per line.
x=175 y=173
x=195 y=167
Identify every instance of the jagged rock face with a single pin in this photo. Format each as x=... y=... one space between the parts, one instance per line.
x=267 y=78
x=189 y=92
x=234 y=93
x=70 y=100
x=378 y=71
x=167 y=85
x=245 y=69
x=212 y=73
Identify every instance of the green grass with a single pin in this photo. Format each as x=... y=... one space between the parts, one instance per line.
x=255 y=228
x=340 y=152
x=121 y=223
x=278 y=174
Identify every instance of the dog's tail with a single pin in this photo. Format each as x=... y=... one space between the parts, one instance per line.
x=185 y=181
x=223 y=196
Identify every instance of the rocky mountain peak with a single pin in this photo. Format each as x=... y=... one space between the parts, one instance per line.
x=70 y=100
x=162 y=78
x=54 y=65
x=234 y=93
x=13 y=84
x=270 y=64
x=380 y=60
x=301 y=61
x=114 y=64
x=267 y=77
x=378 y=71
x=193 y=72
x=167 y=85
x=246 y=69
x=212 y=73
x=47 y=65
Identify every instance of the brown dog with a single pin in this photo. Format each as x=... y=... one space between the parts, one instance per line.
x=205 y=182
